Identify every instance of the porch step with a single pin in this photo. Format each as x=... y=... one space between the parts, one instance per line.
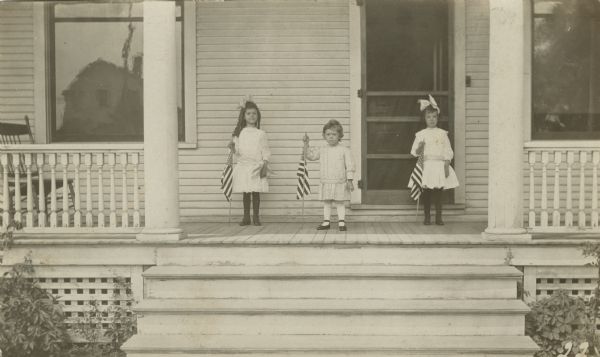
x=199 y=345
x=327 y=281
x=332 y=317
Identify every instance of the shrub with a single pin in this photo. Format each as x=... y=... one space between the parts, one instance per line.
x=31 y=320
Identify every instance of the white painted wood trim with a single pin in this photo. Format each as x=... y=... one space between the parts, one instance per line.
x=459 y=22
x=39 y=73
x=189 y=72
x=527 y=69
x=562 y=144
x=355 y=101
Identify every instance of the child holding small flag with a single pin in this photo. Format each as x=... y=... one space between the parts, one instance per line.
x=432 y=145
x=337 y=172
x=251 y=148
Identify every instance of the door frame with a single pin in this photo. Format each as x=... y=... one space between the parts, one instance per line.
x=456 y=91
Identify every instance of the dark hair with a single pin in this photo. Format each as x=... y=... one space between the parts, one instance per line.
x=241 y=124
x=334 y=124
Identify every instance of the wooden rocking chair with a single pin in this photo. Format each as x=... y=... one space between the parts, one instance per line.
x=11 y=133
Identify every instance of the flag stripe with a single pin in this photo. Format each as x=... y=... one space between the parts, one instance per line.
x=415 y=182
x=303 y=188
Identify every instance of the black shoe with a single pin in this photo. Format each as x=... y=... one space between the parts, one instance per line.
x=245 y=222
x=439 y=222
x=323 y=226
x=427 y=220
x=256 y=221
x=342 y=227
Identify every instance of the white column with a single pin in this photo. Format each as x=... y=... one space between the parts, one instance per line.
x=161 y=184
x=506 y=121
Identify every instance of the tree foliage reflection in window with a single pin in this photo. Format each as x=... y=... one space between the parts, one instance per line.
x=97 y=76
x=566 y=69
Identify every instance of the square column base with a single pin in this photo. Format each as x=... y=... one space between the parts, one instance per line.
x=506 y=234
x=160 y=235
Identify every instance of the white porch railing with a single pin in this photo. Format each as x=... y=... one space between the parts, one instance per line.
x=50 y=186
x=562 y=186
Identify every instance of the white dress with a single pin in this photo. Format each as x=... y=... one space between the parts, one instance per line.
x=337 y=166
x=252 y=148
x=437 y=150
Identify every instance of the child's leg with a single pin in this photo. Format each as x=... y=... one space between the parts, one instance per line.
x=255 y=208
x=426 y=195
x=326 y=215
x=246 y=196
x=438 y=206
x=340 y=206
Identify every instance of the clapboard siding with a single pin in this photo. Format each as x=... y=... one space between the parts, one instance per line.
x=293 y=58
x=16 y=62
x=476 y=138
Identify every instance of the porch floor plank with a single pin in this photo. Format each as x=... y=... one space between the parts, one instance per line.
x=303 y=233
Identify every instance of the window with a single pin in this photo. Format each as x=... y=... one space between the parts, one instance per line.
x=96 y=54
x=566 y=69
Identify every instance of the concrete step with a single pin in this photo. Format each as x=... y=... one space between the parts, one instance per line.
x=326 y=281
x=198 y=345
x=332 y=316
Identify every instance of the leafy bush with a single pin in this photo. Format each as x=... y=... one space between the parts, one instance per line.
x=31 y=320
x=557 y=319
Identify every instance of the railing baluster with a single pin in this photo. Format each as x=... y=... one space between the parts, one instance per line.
x=595 y=161
x=28 y=162
x=124 y=202
x=136 y=195
x=53 y=208
x=532 y=158
x=556 y=198
x=569 y=213
x=42 y=215
x=77 y=215
x=544 y=215
x=582 y=163
x=16 y=164
x=113 y=205
x=100 y=163
x=64 y=161
x=5 y=192
x=89 y=218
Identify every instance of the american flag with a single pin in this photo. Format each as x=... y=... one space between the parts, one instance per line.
x=303 y=188
x=227 y=178
x=416 y=180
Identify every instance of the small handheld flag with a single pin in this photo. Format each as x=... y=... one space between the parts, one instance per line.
x=415 y=183
x=227 y=178
x=303 y=188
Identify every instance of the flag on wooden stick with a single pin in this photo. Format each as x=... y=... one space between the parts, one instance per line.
x=303 y=188
x=227 y=178
x=416 y=180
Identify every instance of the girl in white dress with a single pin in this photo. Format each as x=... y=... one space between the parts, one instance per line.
x=434 y=145
x=337 y=172
x=251 y=148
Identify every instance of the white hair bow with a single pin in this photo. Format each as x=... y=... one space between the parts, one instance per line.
x=424 y=103
x=242 y=104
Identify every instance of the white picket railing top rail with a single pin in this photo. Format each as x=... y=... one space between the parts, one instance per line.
x=74 y=147
x=561 y=144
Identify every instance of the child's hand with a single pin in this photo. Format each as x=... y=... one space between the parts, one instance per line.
x=447 y=168
x=264 y=170
x=305 y=139
x=350 y=185
x=421 y=148
x=231 y=146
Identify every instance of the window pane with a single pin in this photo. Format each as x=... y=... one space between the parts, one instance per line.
x=96 y=97
x=405 y=106
x=407 y=45
x=566 y=69
x=387 y=174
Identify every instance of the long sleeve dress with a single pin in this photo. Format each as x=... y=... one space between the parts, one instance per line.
x=252 y=148
x=337 y=166
x=437 y=150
